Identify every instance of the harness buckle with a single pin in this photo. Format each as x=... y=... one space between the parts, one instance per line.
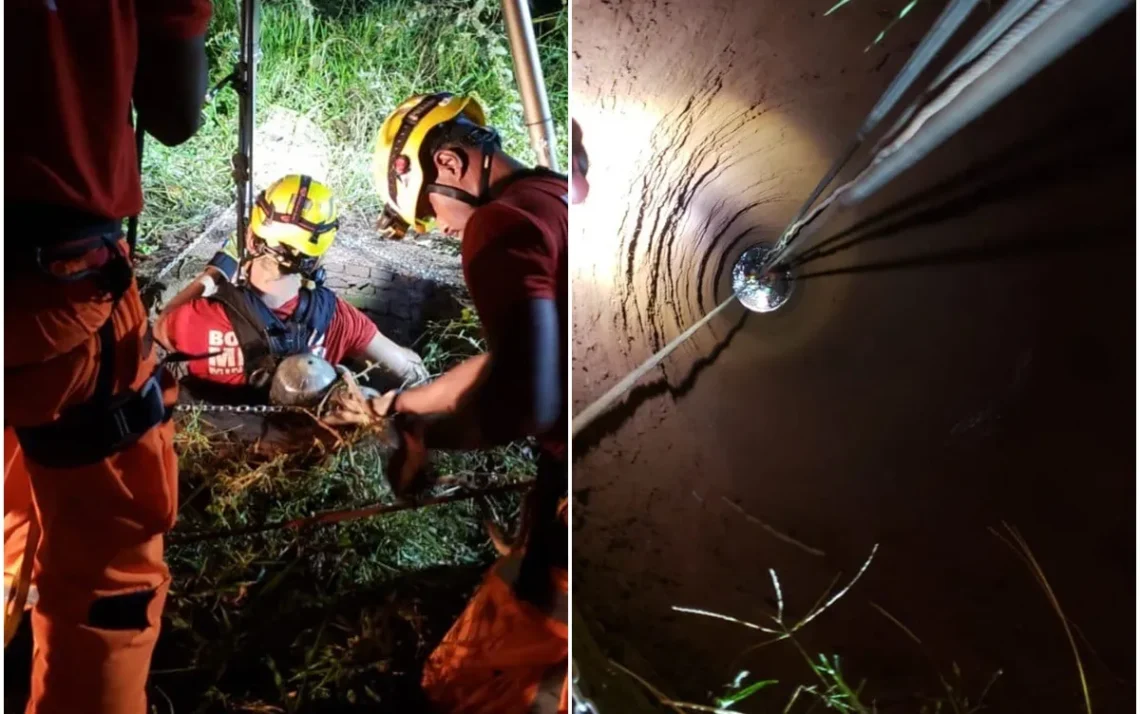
x=136 y=413
x=94 y=433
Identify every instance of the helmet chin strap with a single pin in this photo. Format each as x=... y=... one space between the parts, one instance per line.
x=459 y=194
x=287 y=263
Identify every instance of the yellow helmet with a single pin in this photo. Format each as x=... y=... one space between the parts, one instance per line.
x=296 y=219
x=396 y=167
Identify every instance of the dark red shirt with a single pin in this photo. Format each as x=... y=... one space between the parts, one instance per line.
x=68 y=78
x=202 y=327
x=514 y=250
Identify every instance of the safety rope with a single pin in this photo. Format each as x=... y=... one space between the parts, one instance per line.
x=193 y=244
x=590 y=413
x=327 y=518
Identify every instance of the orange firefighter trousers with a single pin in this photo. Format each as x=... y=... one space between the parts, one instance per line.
x=500 y=653
x=99 y=567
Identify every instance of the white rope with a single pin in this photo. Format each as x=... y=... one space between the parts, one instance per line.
x=194 y=243
x=592 y=412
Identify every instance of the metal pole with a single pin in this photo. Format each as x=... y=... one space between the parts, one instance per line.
x=943 y=29
x=528 y=74
x=1013 y=11
x=246 y=85
x=1041 y=37
x=133 y=221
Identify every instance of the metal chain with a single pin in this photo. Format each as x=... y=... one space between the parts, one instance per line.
x=273 y=408
x=240 y=409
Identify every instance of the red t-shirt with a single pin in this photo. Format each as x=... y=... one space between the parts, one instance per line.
x=514 y=250
x=202 y=327
x=68 y=85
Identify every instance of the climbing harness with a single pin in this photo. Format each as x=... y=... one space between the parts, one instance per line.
x=1016 y=44
x=265 y=339
x=106 y=423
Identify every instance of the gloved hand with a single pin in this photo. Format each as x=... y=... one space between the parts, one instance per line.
x=415 y=373
x=399 y=362
x=349 y=404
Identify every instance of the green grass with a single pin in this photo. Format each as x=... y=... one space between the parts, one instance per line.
x=903 y=12
x=336 y=618
x=344 y=65
x=828 y=685
x=333 y=618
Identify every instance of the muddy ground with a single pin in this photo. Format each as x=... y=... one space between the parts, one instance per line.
x=966 y=358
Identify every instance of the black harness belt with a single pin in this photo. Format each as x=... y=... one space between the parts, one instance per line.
x=106 y=423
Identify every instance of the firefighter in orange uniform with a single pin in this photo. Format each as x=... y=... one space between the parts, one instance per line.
x=88 y=438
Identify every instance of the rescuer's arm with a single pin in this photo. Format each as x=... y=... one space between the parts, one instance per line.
x=512 y=392
x=202 y=286
x=223 y=266
x=522 y=395
x=443 y=395
x=400 y=361
x=170 y=80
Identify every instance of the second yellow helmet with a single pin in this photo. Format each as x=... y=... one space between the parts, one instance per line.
x=396 y=166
